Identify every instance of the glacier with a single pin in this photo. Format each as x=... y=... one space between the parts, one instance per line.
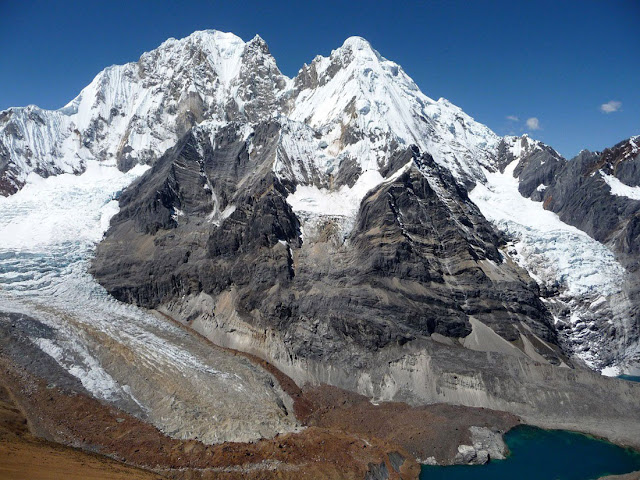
x=620 y=189
x=121 y=354
x=554 y=252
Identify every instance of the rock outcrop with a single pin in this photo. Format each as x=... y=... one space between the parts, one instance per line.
x=380 y=311
x=486 y=445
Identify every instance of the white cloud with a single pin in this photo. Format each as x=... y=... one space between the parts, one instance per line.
x=533 y=123
x=513 y=118
x=611 y=106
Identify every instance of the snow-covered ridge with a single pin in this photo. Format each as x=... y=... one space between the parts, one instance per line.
x=132 y=113
x=362 y=102
x=520 y=146
x=635 y=144
x=631 y=149
x=358 y=101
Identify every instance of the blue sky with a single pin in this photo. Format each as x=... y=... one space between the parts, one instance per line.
x=555 y=61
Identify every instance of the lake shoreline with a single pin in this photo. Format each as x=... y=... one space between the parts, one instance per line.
x=584 y=456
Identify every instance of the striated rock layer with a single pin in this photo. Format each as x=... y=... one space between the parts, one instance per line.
x=411 y=301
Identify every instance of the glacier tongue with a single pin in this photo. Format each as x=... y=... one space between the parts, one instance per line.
x=119 y=353
x=560 y=257
x=552 y=250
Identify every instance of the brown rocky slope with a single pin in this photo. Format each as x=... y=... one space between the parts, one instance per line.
x=346 y=436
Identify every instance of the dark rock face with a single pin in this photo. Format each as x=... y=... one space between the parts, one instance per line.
x=212 y=217
x=424 y=230
x=8 y=175
x=539 y=168
x=184 y=194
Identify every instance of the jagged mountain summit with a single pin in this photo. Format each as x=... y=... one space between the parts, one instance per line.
x=351 y=230
x=133 y=113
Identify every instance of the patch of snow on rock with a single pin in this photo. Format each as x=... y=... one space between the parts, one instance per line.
x=620 y=189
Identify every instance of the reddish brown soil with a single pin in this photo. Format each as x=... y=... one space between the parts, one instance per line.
x=39 y=460
x=25 y=457
x=84 y=422
x=427 y=431
x=345 y=437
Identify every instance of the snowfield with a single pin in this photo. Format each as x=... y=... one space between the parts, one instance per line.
x=311 y=203
x=620 y=189
x=554 y=252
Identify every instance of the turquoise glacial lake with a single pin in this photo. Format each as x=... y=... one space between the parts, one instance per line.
x=545 y=455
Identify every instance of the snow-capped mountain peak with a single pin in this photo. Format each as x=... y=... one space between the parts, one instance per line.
x=222 y=50
x=132 y=113
x=363 y=102
x=355 y=99
x=357 y=49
